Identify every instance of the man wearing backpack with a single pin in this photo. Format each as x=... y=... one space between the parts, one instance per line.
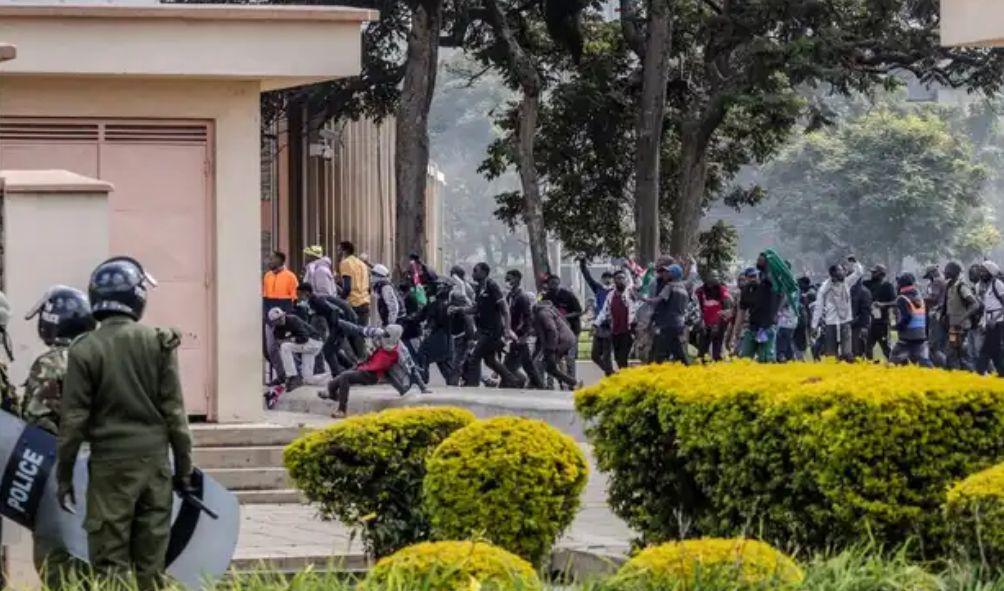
x=960 y=309
x=992 y=320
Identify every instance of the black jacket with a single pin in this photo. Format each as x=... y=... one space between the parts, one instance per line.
x=519 y=312
x=569 y=307
x=883 y=293
x=295 y=329
x=861 y=304
x=762 y=304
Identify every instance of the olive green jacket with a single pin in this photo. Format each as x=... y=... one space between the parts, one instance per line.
x=122 y=394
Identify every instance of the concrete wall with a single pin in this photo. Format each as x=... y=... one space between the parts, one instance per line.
x=234 y=109
x=49 y=239
x=972 y=23
x=280 y=46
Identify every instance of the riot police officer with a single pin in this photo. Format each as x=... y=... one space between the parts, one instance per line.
x=123 y=395
x=63 y=314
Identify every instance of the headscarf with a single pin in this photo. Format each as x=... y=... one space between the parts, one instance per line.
x=781 y=278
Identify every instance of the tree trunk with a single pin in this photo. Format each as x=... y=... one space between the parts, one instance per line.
x=533 y=207
x=526 y=131
x=411 y=162
x=693 y=182
x=651 y=113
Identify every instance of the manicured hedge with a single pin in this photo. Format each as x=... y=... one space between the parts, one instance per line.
x=812 y=456
x=452 y=566
x=514 y=481
x=707 y=563
x=975 y=513
x=367 y=471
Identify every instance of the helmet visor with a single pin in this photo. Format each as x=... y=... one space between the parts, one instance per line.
x=40 y=304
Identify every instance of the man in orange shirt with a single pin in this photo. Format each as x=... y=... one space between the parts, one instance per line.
x=278 y=291
x=280 y=283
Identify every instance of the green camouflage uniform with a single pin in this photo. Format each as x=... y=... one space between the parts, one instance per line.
x=123 y=395
x=43 y=392
x=44 y=389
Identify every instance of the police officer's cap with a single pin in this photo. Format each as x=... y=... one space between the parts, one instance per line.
x=63 y=314
x=119 y=286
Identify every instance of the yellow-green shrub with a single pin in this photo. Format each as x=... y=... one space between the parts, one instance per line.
x=975 y=513
x=514 y=481
x=367 y=471
x=452 y=566
x=807 y=455
x=690 y=564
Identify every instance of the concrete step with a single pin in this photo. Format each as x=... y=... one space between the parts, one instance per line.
x=265 y=456
x=237 y=479
x=252 y=434
x=283 y=496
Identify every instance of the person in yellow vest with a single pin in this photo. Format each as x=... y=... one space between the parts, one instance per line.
x=911 y=346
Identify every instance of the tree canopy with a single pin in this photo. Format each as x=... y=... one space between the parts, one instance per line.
x=890 y=183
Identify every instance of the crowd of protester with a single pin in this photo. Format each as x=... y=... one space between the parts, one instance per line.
x=356 y=325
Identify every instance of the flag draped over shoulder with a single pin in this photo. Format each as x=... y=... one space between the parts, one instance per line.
x=781 y=278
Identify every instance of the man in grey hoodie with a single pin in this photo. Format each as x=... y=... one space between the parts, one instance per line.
x=318 y=272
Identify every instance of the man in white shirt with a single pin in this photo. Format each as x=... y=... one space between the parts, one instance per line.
x=834 y=312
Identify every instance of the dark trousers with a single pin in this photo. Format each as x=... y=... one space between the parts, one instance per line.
x=992 y=350
x=520 y=357
x=622 y=349
x=669 y=346
x=878 y=335
x=602 y=355
x=860 y=336
x=956 y=355
x=338 y=388
x=487 y=349
x=554 y=371
x=459 y=360
x=712 y=339
x=785 y=345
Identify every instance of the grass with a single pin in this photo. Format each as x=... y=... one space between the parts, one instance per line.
x=853 y=570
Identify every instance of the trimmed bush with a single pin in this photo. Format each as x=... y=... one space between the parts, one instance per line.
x=514 y=481
x=975 y=513
x=367 y=471
x=813 y=456
x=452 y=566
x=707 y=563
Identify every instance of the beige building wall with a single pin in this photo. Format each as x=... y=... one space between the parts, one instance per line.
x=55 y=231
x=972 y=23
x=234 y=108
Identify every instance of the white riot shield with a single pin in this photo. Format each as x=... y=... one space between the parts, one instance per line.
x=200 y=548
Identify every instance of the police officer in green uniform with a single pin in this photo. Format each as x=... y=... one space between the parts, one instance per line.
x=63 y=314
x=122 y=394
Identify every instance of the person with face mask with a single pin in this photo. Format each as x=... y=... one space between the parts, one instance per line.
x=436 y=347
x=883 y=300
x=618 y=316
x=833 y=315
x=960 y=308
x=521 y=322
x=911 y=329
x=716 y=306
x=670 y=316
x=992 y=322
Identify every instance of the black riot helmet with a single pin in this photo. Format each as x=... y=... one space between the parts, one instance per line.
x=63 y=314
x=119 y=286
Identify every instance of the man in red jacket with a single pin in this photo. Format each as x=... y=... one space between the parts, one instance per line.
x=369 y=372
